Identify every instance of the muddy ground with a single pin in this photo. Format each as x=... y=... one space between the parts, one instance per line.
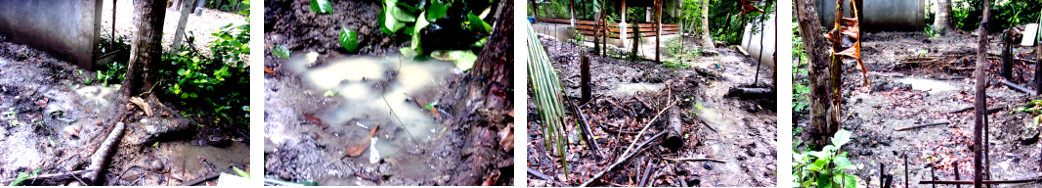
x=915 y=80
x=53 y=122
x=738 y=133
x=312 y=117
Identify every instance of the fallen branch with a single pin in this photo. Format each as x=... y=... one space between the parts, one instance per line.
x=647 y=173
x=645 y=129
x=922 y=125
x=98 y=160
x=584 y=127
x=203 y=179
x=1019 y=87
x=63 y=175
x=621 y=161
x=540 y=175
x=694 y=160
x=990 y=110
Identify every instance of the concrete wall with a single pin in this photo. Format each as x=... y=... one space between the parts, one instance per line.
x=67 y=29
x=751 y=42
x=879 y=15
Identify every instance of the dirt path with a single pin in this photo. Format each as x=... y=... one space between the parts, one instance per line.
x=54 y=121
x=739 y=133
x=907 y=93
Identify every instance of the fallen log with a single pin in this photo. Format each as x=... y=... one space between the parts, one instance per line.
x=584 y=128
x=922 y=125
x=674 y=131
x=100 y=158
x=751 y=93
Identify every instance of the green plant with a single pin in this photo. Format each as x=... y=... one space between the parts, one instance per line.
x=579 y=38
x=546 y=92
x=22 y=176
x=826 y=168
x=280 y=51
x=321 y=6
x=214 y=89
x=448 y=30
x=1034 y=108
x=349 y=39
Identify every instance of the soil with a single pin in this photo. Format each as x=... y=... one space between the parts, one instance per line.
x=739 y=133
x=908 y=89
x=318 y=115
x=54 y=123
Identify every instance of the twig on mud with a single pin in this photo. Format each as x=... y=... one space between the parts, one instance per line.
x=204 y=178
x=646 y=126
x=622 y=160
x=98 y=160
x=541 y=175
x=1018 y=87
x=694 y=159
x=584 y=127
x=51 y=176
x=921 y=126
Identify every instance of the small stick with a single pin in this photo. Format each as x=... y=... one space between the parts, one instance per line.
x=922 y=125
x=695 y=159
x=621 y=161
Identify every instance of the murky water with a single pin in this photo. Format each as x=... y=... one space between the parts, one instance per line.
x=931 y=85
x=389 y=92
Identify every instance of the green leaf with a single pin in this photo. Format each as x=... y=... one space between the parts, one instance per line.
x=477 y=24
x=389 y=22
x=401 y=14
x=240 y=172
x=431 y=105
x=823 y=181
x=437 y=10
x=464 y=59
x=842 y=163
x=850 y=181
x=321 y=6
x=841 y=138
x=349 y=39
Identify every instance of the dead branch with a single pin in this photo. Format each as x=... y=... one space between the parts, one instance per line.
x=694 y=159
x=621 y=160
x=990 y=110
x=922 y=125
x=63 y=175
x=584 y=127
x=541 y=175
x=100 y=157
x=645 y=129
x=1018 y=87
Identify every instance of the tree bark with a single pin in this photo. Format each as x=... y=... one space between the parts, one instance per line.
x=484 y=99
x=182 y=22
x=815 y=47
x=146 y=49
x=942 y=20
x=981 y=93
x=707 y=40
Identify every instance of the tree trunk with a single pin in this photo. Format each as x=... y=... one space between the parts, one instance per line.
x=981 y=94
x=707 y=40
x=182 y=22
x=942 y=20
x=484 y=100
x=146 y=49
x=815 y=47
x=658 y=30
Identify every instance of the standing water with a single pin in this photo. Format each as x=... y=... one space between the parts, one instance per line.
x=385 y=92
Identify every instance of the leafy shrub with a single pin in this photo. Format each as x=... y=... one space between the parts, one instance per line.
x=216 y=88
x=826 y=168
x=448 y=31
x=966 y=14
